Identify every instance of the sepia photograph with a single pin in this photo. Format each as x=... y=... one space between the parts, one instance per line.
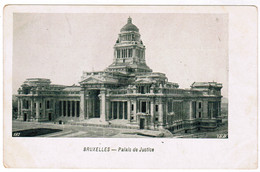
x=143 y=75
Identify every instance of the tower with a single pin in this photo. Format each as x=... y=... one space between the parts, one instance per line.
x=129 y=51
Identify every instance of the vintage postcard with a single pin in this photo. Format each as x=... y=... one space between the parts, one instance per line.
x=165 y=86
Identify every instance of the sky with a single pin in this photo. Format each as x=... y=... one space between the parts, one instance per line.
x=186 y=47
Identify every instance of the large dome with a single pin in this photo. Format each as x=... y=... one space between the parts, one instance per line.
x=129 y=26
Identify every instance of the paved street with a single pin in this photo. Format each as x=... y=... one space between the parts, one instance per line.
x=56 y=130
x=35 y=129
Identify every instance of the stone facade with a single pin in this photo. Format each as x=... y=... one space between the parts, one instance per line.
x=128 y=91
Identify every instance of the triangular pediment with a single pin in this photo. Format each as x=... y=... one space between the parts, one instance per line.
x=92 y=80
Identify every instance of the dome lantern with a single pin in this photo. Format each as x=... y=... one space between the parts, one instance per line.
x=129 y=26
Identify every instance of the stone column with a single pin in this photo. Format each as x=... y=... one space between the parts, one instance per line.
x=88 y=107
x=211 y=110
x=82 y=104
x=135 y=108
x=75 y=108
x=103 y=105
x=219 y=108
x=19 y=109
x=62 y=108
x=53 y=102
x=166 y=111
x=32 y=108
x=117 y=109
x=123 y=110
x=129 y=110
x=107 y=109
x=67 y=109
x=112 y=104
x=191 y=110
x=204 y=109
x=152 y=113
x=44 y=108
x=160 y=122
x=71 y=108
x=37 y=110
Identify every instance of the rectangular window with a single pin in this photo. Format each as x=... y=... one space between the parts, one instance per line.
x=132 y=107
x=199 y=114
x=27 y=104
x=156 y=108
x=142 y=89
x=48 y=104
x=199 y=105
x=144 y=107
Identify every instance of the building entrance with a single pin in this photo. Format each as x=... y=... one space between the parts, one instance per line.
x=94 y=104
x=50 y=117
x=25 y=117
x=141 y=123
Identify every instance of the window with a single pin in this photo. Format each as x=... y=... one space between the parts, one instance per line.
x=40 y=105
x=26 y=104
x=156 y=108
x=142 y=89
x=132 y=107
x=199 y=114
x=199 y=105
x=144 y=107
x=48 y=104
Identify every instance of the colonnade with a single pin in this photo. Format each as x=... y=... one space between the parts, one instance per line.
x=69 y=108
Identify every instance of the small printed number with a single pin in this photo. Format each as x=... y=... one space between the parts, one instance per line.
x=222 y=135
x=16 y=134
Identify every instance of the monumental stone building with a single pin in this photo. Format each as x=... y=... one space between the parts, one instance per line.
x=127 y=94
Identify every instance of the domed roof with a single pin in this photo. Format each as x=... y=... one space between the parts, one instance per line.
x=129 y=26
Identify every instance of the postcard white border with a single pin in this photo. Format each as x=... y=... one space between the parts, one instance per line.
x=187 y=150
